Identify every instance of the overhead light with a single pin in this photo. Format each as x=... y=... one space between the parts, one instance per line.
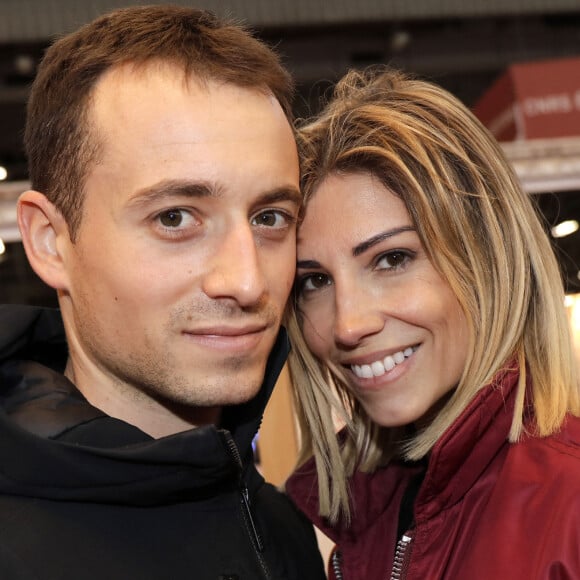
x=24 y=64
x=565 y=228
x=400 y=40
x=2 y=246
x=3 y=173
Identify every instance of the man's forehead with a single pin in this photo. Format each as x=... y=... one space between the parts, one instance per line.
x=160 y=71
x=151 y=128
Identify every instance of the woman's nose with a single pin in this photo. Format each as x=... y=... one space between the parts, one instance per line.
x=356 y=317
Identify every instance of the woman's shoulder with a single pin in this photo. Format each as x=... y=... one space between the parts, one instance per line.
x=555 y=457
x=563 y=445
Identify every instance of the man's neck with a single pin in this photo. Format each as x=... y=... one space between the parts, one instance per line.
x=154 y=417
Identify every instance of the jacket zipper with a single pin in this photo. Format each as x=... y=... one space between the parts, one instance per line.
x=335 y=563
x=401 y=557
x=399 y=563
x=246 y=508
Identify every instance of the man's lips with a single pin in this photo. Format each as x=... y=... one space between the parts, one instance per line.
x=225 y=330
x=228 y=339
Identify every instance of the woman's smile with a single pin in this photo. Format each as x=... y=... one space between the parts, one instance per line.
x=381 y=366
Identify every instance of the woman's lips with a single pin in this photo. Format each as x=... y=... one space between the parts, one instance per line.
x=383 y=365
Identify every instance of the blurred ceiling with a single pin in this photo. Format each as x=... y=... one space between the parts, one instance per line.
x=33 y=20
x=461 y=44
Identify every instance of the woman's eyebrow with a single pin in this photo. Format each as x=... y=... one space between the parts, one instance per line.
x=308 y=264
x=372 y=241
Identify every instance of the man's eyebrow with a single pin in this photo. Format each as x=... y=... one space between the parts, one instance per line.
x=286 y=193
x=172 y=188
x=364 y=246
x=197 y=189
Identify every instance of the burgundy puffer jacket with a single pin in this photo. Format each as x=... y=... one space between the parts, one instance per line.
x=486 y=510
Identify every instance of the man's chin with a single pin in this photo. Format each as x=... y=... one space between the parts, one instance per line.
x=242 y=395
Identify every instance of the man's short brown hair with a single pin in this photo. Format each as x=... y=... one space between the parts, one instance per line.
x=58 y=139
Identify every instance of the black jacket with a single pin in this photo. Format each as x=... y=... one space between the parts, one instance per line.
x=84 y=496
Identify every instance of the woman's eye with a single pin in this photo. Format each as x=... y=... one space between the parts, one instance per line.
x=313 y=282
x=393 y=260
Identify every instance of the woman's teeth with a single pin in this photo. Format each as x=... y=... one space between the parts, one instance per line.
x=380 y=367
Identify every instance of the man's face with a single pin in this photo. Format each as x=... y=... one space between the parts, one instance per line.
x=186 y=250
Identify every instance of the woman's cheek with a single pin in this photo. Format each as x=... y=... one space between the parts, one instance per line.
x=317 y=336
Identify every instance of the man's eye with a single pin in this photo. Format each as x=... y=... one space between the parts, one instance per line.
x=271 y=219
x=172 y=218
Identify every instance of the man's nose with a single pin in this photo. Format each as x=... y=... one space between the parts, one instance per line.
x=236 y=270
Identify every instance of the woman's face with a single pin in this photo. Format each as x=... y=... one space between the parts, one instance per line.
x=373 y=303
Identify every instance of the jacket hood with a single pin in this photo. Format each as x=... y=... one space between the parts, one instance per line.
x=55 y=445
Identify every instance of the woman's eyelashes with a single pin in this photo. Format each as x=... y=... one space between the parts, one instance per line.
x=311 y=282
x=397 y=259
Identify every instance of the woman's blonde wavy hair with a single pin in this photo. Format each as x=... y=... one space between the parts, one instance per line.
x=482 y=234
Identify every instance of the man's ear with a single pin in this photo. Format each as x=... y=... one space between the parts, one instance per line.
x=45 y=236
